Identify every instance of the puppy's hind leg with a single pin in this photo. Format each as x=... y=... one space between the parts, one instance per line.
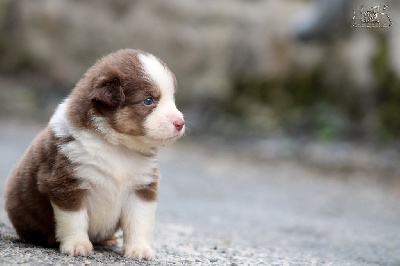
x=109 y=242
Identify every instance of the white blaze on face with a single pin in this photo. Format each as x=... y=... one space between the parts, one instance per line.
x=159 y=125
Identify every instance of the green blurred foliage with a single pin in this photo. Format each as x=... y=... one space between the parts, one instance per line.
x=305 y=102
x=388 y=93
x=301 y=102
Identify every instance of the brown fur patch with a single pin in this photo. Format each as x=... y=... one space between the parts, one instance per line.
x=109 y=91
x=150 y=192
x=41 y=175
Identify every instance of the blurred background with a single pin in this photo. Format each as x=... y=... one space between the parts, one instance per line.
x=294 y=71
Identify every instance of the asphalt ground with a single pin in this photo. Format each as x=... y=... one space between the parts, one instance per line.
x=219 y=206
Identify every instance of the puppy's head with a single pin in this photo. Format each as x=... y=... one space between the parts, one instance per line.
x=128 y=96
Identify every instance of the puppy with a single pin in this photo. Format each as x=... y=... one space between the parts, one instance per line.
x=94 y=168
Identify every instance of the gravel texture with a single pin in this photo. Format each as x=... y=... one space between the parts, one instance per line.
x=219 y=206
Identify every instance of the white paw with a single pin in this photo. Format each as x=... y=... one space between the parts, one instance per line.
x=76 y=247
x=140 y=252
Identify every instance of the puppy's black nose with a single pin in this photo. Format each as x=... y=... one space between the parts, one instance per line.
x=179 y=123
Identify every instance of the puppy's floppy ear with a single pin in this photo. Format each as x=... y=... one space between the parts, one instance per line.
x=108 y=90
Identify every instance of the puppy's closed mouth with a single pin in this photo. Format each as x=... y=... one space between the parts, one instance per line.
x=166 y=139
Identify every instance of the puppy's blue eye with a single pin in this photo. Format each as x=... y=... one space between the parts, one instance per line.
x=149 y=101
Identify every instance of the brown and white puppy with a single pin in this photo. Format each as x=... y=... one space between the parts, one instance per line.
x=94 y=168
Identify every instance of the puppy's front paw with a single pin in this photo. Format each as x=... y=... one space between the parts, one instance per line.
x=140 y=252
x=77 y=247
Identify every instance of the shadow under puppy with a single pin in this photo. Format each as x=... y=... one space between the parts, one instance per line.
x=94 y=168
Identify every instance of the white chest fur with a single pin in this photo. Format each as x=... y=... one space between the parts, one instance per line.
x=99 y=163
x=108 y=172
